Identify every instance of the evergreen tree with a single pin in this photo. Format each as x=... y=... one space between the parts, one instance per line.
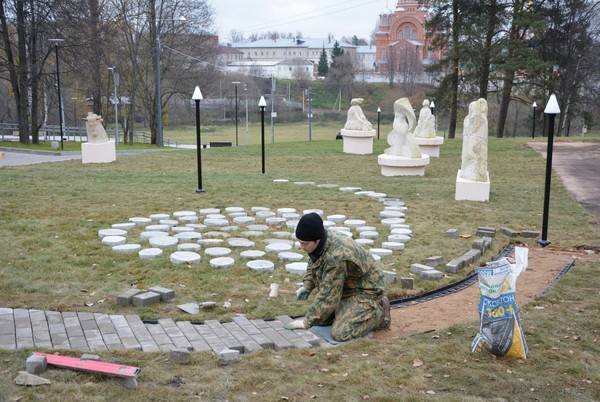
x=323 y=67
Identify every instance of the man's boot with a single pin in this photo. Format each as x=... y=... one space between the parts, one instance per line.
x=386 y=318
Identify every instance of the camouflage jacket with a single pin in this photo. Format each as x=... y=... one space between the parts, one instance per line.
x=344 y=269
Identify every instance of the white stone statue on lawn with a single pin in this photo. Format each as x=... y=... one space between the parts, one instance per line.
x=475 y=142
x=426 y=124
x=401 y=138
x=95 y=131
x=356 y=118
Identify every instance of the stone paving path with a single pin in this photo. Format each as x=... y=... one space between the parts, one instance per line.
x=93 y=332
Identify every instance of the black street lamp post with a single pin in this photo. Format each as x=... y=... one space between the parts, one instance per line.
x=60 y=111
x=262 y=104
x=197 y=97
x=552 y=109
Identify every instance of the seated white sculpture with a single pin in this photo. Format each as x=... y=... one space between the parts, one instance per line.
x=426 y=124
x=356 y=118
x=475 y=142
x=401 y=139
x=95 y=131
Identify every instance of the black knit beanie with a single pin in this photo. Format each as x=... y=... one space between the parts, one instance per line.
x=310 y=227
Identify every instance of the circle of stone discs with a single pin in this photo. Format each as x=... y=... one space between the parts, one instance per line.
x=140 y=220
x=275 y=221
x=297 y=268
x=261 y=265
x=123 y=226
x=170 y=222
x=188 y=236
x=244 y=220
x=402 y=231
x=350 y=189
x=217 y=251
x=240 y=242
x=145 y=235
x=163 y=241
x=265 y=214
x=112 y=232
x=281 y=211
x=216 y=216
x=289 y=256
x=127 y=248
x=222 y=262
x=336 y=218
x=216 y=222
x=252 y=254
x=150 y=252
x=158 y=228
x=114 y=240
x=210 y=241
x=366 y=229
x=181 y=229
x=391 y=221
x=185 y=257
x=209 y=211
x=179 y=214
x=380 y=252
x=399 y=238
x=234 y=209
x=391 y=214
x=365 y=242
x=158 y=217
x=278 y=247
x=188 y=247
x=354 y=223
x=369 y=234
x=316 y=211
x=393 y=245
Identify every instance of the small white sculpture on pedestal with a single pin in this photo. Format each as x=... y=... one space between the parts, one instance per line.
x=425 y=132
x=358 y=132
x=473 y=181
x=98 y=149
x=403 y=157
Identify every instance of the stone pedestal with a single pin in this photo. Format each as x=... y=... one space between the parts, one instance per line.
x=471 y=190
x=358 y=142
x=392 y=165
x=430 y=146
x=104 y=152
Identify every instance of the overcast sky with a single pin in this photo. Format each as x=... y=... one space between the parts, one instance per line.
x=314 y=18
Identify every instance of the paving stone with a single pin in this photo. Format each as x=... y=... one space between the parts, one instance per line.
x=255 y=333
x=418 y=268
x=434 y=261
x=213 y=341
x=390 y=277
x=452 y=233
x=165 y=293
x=279 y=342
x=290 y=256
x=180 y=356
x=145 y=299
x=478 y=244
x=296 y=340
x=486 y=231
x=530 y=234
x=224 y=335
x=407 y=283
x=508 y=232
x=192 y=335
x=36 y=364
x=126 y=298
x=455 y=265
x=228 y=356
x=432 y=274
x=249 y=344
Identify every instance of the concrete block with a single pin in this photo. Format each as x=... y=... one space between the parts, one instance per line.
x=36 y=364
x=89 y=356
x=228 y=356
x=487 y=241
x=126 y=298
x=479 y=244
x=508 y=232
x=434 y=261
x=455 y=265
x=418 y=268
x=146 y=299
x=407 y=283
x=486 y=231
x=165 y=294
x=127 y=382
x=531 y=234
x=390 y=277
x=452 y=233
x=432 y=274
x=180 y=356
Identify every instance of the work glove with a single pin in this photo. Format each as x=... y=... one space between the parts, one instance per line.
x=298 y=324
x=302 y=293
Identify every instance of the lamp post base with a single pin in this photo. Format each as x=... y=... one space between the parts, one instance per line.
x=544 y=243
x=200 y=190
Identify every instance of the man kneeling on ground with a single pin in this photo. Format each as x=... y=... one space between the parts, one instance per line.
x=349 y=284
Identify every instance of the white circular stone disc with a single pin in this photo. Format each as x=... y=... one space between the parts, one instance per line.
x=369 y=234
x=258 y=209
x=350 y=189
x=281 y=181
x=258 y=228
x=391 y=221
x=366 y=228
x=402 y=231
x=222 y=262
x=140 y=220
x=290 y=256
x=188 y=247
x=296 y=268
x=354 y=223
x=112 y=232
x=181 y=229
x=163 y=241
x=261 y=265
x=210 y=242
x=365 y=242
x=382 y=252
x=170 y=222
x=145 y=235
x=336 y=218
x=240 y=242
x=188 y=236
x=158 y=217
x=251 y=254
x=209 y=211
x=114 y=240
x=216 y=222
x=265 y=214
x=150 y=253
x=234 y=209
x=278 y=247
x=275 y=221
x=189 y=219
x=391 y=214
x=123 y=226
x=217 y=251
x=185 y=257
x=127 y=248
x=161 y=228
x=393 y=245
x=244 y=220
x=399 y=238
x=179 y=214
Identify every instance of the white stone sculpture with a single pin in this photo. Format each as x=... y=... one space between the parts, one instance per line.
x=426 y=124
x=401 y=139
x=475 y=142
x=356 y=118
x=95 y=131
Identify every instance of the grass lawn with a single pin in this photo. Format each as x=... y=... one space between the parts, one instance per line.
x=53 y=259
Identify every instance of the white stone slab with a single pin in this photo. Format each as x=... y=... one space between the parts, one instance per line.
x=278 y=247
x=259 y=209
x=391 y=214
x=382 y=252
x=265 y=214
x=291 y=216
x=275 y=221
x=127 y=248
x=179 y=214
x=158 y=217
x=393 y=245
x=216 y=216
x=327 y=185
x=244 y=220
x=216 y=222
x=290 y=256
x=336 y=218
x=140 y=220
x=112 y=232
x=399 y=238
x=217 y=234
x=292 y=224
x=470 y=190
x=185 y=257
x=284 y=241
x=196 y=226
x=252 y=233
x=189 y=219
x=231 y=210
x=145 y=235
x=230 y=228
x=170 y=222
x=237 y=214
x=209 y=211
x=364 y=192
x=217 y=251
x=147 y=253
x=394 y=202
x=259 y=228
x=296 y=268
x=188 y=236
x=350 y=189
x=395 y=208
x=123 y=226
x=210 y=242
x=365 y=242
x=304 y=183
x=366 y=229
x=114 y=240
x=369 y=234
x=182 y=229
x=391 y=221
x=188 y=247
x=222 y=262
x=104 y=152
x=354 y=223
x=402 y=231
x=252 y=254
x=280 y=181
x=240 y=242
x=261 y=265
x=379 y=196
x=161 y=228
x=399 y=226
x=282 y=211
x=163 y=241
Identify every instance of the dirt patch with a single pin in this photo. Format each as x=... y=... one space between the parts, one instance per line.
x=461 y=307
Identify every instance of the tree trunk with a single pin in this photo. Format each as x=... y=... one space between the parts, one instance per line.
x=455 y=72
x=504 y=103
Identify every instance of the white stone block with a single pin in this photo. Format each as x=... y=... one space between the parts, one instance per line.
x=393 y=165
x=105 y=152
x=358 y=141
x=470 y=190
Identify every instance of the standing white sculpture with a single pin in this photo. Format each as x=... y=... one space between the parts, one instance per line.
x=98 y=149
x=426 y=124
x=473 y=180
x=403 y=157
x=358 y=132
